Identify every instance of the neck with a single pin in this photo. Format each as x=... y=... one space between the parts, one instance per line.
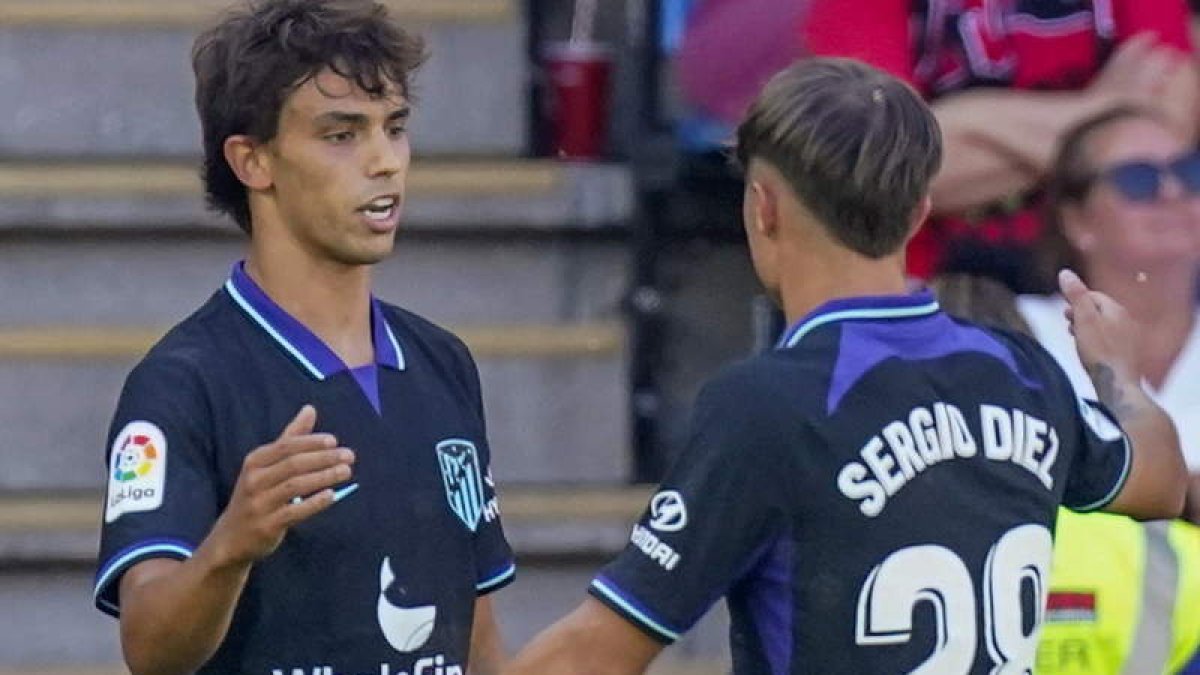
x=1162 y=301
x=331 y=299
x=818 y=275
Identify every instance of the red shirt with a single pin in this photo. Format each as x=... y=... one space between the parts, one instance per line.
x=944 y=46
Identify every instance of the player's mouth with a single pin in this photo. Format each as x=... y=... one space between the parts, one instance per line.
x=382 y=213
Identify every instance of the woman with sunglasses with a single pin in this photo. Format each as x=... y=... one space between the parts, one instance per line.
x=1124 y=211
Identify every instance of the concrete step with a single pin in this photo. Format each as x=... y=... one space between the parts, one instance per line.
x=442 y=195
x=543 y=315
x=113 y=77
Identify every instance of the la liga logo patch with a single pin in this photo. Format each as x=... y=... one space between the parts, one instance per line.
x=137 y=471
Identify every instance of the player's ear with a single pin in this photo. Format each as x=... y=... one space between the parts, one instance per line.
x=764 y=208
x=249 y=161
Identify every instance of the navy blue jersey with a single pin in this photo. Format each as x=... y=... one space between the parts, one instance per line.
x=876 y=495
x=384 y=581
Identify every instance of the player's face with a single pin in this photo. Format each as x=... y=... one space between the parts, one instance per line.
x=338 y=165
x=1140 y=214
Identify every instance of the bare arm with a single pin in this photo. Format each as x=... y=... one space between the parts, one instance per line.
x=488 y=656
x=1105 y=340
x=175 y=614
x=592 y=640
x=999 y=142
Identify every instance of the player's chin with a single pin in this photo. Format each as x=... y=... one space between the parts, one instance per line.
x=366 y=253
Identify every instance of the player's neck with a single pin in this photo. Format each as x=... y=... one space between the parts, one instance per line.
x=331 y=299
x=816 y=277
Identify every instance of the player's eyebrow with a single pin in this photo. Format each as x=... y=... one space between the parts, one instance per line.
x=359 y=119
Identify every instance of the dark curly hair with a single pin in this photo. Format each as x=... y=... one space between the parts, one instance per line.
x=248 y=64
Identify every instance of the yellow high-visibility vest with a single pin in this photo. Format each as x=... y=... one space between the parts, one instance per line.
x=1124 y=597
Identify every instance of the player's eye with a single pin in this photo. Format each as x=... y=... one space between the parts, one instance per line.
x=397 y=130
x=340 y=137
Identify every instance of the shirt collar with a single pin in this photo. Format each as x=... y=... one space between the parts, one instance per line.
x=297 y=340
x=866 y=307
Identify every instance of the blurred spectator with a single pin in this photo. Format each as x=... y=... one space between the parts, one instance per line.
x=729 y=49
x=1124 y=207
x=1124 y=596
x=1125 y=213
x=1006 y=78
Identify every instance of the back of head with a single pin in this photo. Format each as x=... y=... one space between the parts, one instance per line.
x=857 y=146
x=248 y=64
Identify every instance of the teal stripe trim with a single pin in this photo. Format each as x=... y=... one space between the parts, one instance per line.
x=498 y=579
x=892 y=313
x=1120 y=484
x=636 y=613
x=246 y=307
x=116 y=566
x=395 y=345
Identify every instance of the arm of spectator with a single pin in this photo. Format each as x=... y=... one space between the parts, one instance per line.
x=1001 y=141
x=1105 y=339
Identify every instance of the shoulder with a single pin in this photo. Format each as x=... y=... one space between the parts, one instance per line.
x=418 y=332
x=190 y=353
x=424 y=343
x=762 y=390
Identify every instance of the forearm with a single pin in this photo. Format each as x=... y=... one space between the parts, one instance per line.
x=975 y=174
x=173 y=618
x=1158 y=478
x=1022 y=128
x=591 y=640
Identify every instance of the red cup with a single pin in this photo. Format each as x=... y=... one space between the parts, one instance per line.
x=578 y=76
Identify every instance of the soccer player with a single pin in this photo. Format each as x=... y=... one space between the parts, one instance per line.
x=298 y=472
x=876 y=494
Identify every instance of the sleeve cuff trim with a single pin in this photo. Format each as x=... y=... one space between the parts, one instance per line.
x=609 y=592
x=497 y=579
x=125 y=558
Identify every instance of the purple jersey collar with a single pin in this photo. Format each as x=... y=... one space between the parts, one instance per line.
x=867 y=307
x=298 y=341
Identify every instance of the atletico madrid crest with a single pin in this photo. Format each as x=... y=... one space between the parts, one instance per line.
x=459 y=462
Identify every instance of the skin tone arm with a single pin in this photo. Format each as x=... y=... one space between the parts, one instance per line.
x=488 y=656
x=592 y=640
x=175 y=614
x=1105 y=338
x=999 y=141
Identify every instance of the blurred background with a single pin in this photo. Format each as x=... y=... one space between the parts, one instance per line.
x=572 y=214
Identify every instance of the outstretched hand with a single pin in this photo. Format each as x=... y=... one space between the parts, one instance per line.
x=1105 y=335
x=281 y=483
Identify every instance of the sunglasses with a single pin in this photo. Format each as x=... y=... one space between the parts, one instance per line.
x=1143 y=181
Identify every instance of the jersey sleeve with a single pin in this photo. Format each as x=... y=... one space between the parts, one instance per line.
x=1167 y=19
x=495 y=563
x=875 y=31
x=1102 y=459
x=716 y=513
x=161 y=497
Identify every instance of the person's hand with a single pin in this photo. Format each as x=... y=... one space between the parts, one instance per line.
x=1139 y=73
x=281 y=483
x=1105 y=334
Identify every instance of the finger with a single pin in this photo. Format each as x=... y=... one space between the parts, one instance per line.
x=1106 y=305
x=1072 y=287
x=303 y=423
x=295 y=512
x=273 y=453
x=305 y=485
x=267 y=478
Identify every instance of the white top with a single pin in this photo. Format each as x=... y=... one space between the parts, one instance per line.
x=1179 y=395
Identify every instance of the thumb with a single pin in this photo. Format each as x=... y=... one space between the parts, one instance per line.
x=302 y=423
x=1072 y=287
